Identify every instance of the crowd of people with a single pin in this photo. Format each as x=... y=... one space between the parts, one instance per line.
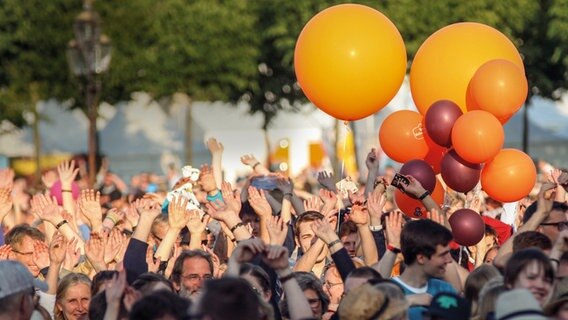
x=192 y=246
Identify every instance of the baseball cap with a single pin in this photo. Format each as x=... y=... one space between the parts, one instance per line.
x=15 y=278
x=449 y=305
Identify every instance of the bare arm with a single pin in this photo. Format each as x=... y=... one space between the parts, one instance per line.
x=216 y=148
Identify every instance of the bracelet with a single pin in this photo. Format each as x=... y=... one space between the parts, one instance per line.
x=393 y=249
x=254 y=165
x=554 y=260
x=66 y=190
x=111 y=219
x=289 y=194
x=334 y=242
x=286 y=277
x=238 y=225
x=61 y=224
x=424 y=195
x=376 y=228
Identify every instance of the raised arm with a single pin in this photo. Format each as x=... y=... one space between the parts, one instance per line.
x=67 y=174
x=372 y=163
x=178 y=217
x=258 y=202
x=216 y=148
x=257 y=166
x=360 y=216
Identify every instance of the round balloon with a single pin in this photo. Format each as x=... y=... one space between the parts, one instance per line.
x=414 y=207
x=422 y=172
x=401 y=136
x=56 y=192
x=445 y=63
x=468 y=228
x=498 y=87
x=509 y=177
x=459 y=174
x=350 y=61
x=477 y=136
x=439 y=121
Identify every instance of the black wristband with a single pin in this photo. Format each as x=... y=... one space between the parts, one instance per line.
x=286 y=277
x=240 y=224
x=424 y=195
x=334 y=242
x=254 y=165
x=61 y=224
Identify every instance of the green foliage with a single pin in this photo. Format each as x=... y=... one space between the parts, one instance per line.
x=234 y=49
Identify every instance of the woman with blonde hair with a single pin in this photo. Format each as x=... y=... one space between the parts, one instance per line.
x=73 y=297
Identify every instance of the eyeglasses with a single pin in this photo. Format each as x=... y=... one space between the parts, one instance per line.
x=22 y=253
x=196 y=277
x=563 y=225
x=332 y=284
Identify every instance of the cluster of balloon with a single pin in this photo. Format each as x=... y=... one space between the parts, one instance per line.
x=350 y=61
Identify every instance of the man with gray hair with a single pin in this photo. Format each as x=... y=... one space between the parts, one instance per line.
x=17 y=291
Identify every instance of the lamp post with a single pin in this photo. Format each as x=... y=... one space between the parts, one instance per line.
x=89 y=56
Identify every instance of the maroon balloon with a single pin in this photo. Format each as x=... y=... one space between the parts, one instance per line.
x=421 y=171
x=439 y=121
x=459 y=174
x=468 y=227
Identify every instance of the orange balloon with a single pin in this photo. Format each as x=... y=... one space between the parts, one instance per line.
x=499 y=87
x=509 y=177
x=445 y=63
x=401 y=136
x=350 y=61
x=477 y=136
x=413 y=207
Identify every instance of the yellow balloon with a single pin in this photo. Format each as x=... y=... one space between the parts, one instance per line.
x=448 y=59
x=350 y=61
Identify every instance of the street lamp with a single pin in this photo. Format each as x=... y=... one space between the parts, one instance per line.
x=89 y=55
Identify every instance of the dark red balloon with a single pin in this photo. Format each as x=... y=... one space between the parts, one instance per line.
x=459 y=174
x=435 y=153
x=422 y=172
x=468 y=227
x=439 y=121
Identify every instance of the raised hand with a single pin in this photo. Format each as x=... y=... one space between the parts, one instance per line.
x=546 y=197
x=95 y=250
x=414 y=187
x=313 y=204
x=131 y=215
x=153 y=264
x=195 y=224
x=326 y=180
x=46 y=208
x=113 y=246
x=67 y=173
x=393 y=226
x=359 y=215
x=324 y=230
x=115 y=288
x=372 y=161
x=276 y=257
x=178 y=215
x=90 y=206
x=148 y=208
x=247 y=250
x=258 y=202
x=437 y=217
x=329 y=201
x=232 y=199
x=375 y=204
x=285 y=185
x=220 y=211
x=6 y=178
x=6 y=202
x=214 y=258
x=40 y=254
x=72 y=255
x=356 y=197
x=554 y=175
x=249 y=160
x=57 y=249
x=214 y=146
x=277 y=230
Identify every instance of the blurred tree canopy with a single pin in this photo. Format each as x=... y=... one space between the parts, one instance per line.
x=238 y=49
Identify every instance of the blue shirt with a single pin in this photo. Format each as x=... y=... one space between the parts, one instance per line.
x=433 y=287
